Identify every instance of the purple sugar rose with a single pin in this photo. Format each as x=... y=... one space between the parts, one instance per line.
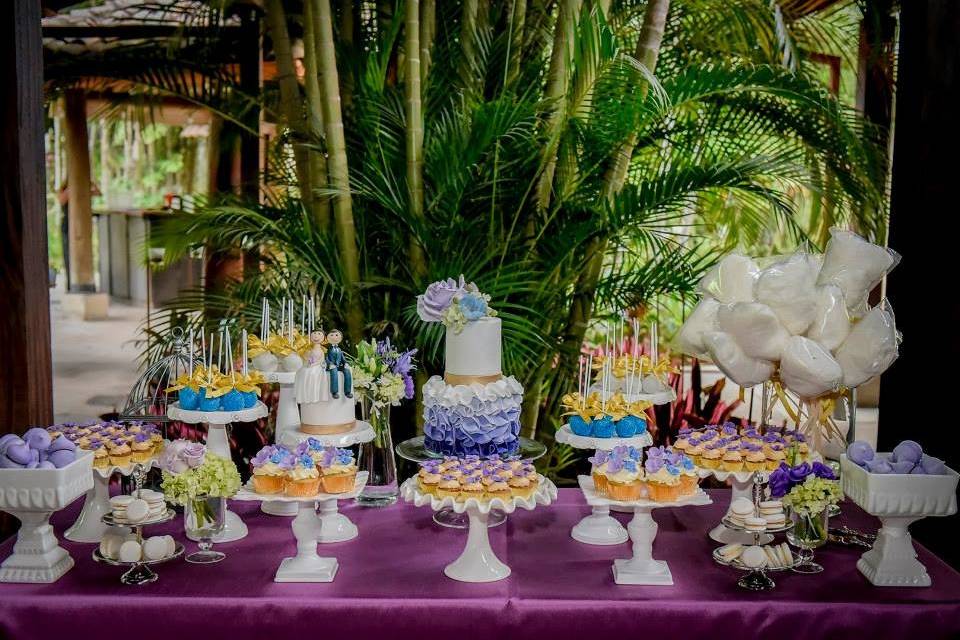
x=653 y=465
x=263 y=456
x=193 y=454
x=438 y=296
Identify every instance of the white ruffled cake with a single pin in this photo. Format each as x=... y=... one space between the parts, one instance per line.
x=473 y=409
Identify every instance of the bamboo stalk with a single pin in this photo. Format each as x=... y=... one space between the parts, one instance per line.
x=414 y=132
x=518 y=15
x=428 y=31
x=338 y=167
x=318 y=161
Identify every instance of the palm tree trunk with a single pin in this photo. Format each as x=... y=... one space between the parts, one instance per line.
x=468 y=39
x=414 y=134
x=347 y=40
x=318 y=161
x=338 y=167
x=518 y=16
x=428 y=31
x=290 y=102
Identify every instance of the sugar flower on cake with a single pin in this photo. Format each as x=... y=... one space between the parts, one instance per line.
x=454 y=303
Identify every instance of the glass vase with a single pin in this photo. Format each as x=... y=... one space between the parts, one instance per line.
x=203 y=518
x=377 y=458
x=809 y=532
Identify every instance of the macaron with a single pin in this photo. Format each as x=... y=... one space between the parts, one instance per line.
x=775 y=520
x=770 y=506
x=137 y=510
x=110 y=545
x=754 y=524
x=754 y=557
x=155 y=548
x=731 y=552
x=130 y=551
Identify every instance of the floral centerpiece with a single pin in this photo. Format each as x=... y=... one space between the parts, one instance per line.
x=807 y=490
x=454 y=303
x=191 y=474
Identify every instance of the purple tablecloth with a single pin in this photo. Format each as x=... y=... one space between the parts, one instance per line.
x=390 y=585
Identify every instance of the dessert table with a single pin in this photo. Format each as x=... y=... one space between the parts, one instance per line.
x=391 y=584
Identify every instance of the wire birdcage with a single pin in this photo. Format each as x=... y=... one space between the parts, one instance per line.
x=148 y=399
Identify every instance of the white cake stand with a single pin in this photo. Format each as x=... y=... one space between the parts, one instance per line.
x=89 y=525
x=219 y=444
x=641 y=568
x=600 y=528
x=307 y=565
x=32 y=496
x=288 y=419
x=478 y=563
x=741 y=486
x=898 y=500
x=336 y=526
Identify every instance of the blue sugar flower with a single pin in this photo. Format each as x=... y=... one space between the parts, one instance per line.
x=473 y=306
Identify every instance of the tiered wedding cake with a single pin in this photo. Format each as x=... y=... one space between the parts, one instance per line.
x=473 y=409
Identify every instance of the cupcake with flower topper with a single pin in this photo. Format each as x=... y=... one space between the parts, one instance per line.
x=270 y=468
x=303 y=478
x=339 y=470
x=663 y=476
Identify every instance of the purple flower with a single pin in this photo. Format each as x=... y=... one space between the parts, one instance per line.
x=193 y=454
x=438 y=296
x=800 y=472
x=408 y=388
x=823 y=471
x=263 y=456
x=404 y=364
x=779 y=481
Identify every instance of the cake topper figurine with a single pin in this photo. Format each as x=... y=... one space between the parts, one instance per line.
x=317 y=355
x=337 y=362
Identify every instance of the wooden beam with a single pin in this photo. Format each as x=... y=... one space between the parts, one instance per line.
x=25 y=377
x=135 y=32
x=78 y=187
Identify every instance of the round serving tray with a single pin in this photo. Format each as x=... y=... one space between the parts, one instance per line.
x=565 y=435
x=113 y=522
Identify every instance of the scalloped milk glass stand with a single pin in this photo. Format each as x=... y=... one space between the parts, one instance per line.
x=600 y=527
x=219 y=443
x=308 y=528
x=288 y=419
x=32 y=496
x=642 y=568
x=336 y=527
x=898 y=500
x=89 y=525
x=478 y=563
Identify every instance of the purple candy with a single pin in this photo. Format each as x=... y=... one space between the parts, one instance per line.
x=879 y=465
x=908 y=450
x=62 y=443
x=8 y=439
x=860 y=452
x=61 y=458
x=902 y=466
x=37 y=438
x=932 y=466
x=7 y=463
x=46 y=464
x=19 y=452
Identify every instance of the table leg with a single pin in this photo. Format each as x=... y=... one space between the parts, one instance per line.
x=599 y=528
x=477 y=563
x=233 y=527
x=37 y=556
x=307 y=565
x=892 y=562
x=335 y=527
x=721 y=533
x=89 y=526
x=642 y=568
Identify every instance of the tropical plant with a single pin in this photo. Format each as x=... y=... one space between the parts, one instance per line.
x=572 y=158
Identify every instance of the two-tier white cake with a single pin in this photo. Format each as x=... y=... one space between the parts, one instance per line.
x=473 y=409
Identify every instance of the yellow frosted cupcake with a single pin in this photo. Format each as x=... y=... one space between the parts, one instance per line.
x=141 y=449
x=711 y=456
x=429 y=482
x=101 y=459
x=732 y=461
x=448 y=487
x=521 y=487
x=694 y=451
x=754 y=460
x=663 y=479
x=624 y=480
x=303 y=479
x=120 y=455
x=774 y=457
x=471 y=487
x=270 y=467
x=498 y=488
x=338 y=470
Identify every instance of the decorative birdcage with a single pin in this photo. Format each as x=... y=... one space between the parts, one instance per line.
x=148 y=399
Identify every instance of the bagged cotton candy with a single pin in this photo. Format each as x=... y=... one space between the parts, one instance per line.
x=734 y=363
x=870 y=348
x=755 y=328
x=732 y=279
x=855 y=265
x=703 y=320
x=789 y=288
x=831 y=324
x=808 y=369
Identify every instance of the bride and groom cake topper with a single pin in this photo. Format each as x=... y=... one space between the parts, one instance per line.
x=333 y=359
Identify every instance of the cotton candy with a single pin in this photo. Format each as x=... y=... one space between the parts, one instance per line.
x=701 y=321
x=870 y=348
x=788 y=287
x=854 y=265
x=732 y=279
x=831 y=324
x=808 y=369
x=734 y=363
x=755 y=328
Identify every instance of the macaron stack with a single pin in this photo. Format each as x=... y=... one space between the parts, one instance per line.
x=907 y=458
x=36 y=450
x=772 y=513
x=145 y=506
x=772 y=556
x=740 y=510
x=129 y=548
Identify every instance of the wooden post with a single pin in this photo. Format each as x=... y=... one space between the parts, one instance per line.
x=78 y=186
x=25 y=377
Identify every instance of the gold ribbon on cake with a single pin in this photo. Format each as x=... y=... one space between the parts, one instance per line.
x=327 y=429
x=455 y=379
x=256 y=347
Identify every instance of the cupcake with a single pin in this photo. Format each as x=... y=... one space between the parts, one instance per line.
x=694 y=450
x=603 y=427
x=429 y=481
x=142 y=448
x=754 y=459
x=663 y=479
x=270 y=468
x=774 y=456
x=711 y=456
x=471 y=487
x=521 y=487
x=303 y=478
x=624 y=479
x=599 y=471
x=689 y=481
x=498 y=488
x=339 y=470
x=448 y=487
x=732 y=460
x=101 y=459
x=120 y=454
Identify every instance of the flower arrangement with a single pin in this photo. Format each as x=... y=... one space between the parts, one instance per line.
x=453 y=303
x=191 y=473
x=806 y=488
x=383 y=374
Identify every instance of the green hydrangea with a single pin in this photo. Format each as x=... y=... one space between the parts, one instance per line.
x=216 y=477
x=813 y=495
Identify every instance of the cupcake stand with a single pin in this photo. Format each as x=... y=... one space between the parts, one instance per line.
x=415 y=450
x=219 y=443
x=600 y=527
x=642 y=568
x=308 y=528
x=32 y=496
x=89 y=526
x=478 y=563
x=139 y=571
x=336 y=526
x=288 y=419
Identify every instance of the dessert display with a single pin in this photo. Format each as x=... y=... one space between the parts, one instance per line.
x=285 y=349
x=906 y=458
x=113 y=444
x=482 y=479
x=324 y=387
x=473 y=409
x=730 y=448
x=309 y=469
x=36 y=449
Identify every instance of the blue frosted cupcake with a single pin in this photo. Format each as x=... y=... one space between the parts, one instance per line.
x=580 y=426
x=626 y=427
x=190 y=399
x=232 y=400
x=604 y=427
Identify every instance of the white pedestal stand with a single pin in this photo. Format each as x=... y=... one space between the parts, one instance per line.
x=89 y=525
x=32 y=496
x=600 y=528
x=898 y=500
x=741 y=486
x=478 y=562
x=288 y=419
x=308 y=528
x=219 y=443
x=642 y=568
x=336 y=526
